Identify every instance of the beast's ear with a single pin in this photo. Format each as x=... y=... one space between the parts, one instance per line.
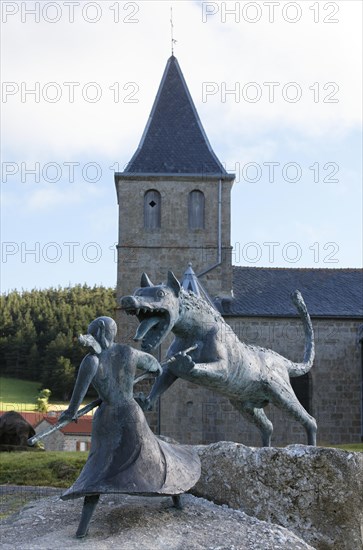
x=173 y=283
x=145 y=281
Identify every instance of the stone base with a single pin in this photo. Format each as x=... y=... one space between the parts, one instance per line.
x=144 y=523
x=317 y=493
x=296 y=497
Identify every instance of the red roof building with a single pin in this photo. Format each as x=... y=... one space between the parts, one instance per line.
x=75 y=436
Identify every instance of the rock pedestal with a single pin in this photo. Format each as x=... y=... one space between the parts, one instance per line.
x=145 y=523
x=317 y=493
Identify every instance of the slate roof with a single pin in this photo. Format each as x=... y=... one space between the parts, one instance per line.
x=266 y=292
x=174 y=141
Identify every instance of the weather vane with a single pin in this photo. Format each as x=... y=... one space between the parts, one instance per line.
x=173 y=41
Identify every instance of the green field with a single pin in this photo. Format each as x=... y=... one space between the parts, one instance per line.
x=355 y=447
x=19 y=395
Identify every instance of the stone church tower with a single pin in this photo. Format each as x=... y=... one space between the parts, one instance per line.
x=174 y=199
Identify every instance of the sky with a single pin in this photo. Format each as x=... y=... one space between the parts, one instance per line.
x=277 y=86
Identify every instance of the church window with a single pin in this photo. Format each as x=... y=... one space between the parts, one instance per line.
x=196 y=210
x=152 y=209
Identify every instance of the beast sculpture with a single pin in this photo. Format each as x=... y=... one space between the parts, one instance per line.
x=250 y=376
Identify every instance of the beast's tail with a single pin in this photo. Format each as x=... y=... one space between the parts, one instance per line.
x=298 y=369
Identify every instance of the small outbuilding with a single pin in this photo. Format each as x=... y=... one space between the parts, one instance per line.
x=75 y=436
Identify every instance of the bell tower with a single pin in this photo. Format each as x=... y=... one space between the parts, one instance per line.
x=174 y=198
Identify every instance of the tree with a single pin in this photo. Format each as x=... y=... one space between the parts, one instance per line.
x=43 y=400
x=39 y=328
x=64 y=376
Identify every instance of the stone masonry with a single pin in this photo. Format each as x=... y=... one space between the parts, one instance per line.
x=172 y=246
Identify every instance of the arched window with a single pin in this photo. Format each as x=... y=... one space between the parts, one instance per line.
x=302 y=388
x=196 y=210
x=152 y=209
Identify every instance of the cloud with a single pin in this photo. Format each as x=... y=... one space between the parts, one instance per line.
x=122 y=63
x=50 y=198
x=126 y=61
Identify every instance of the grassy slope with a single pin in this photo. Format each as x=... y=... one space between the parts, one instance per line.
x=41 y=469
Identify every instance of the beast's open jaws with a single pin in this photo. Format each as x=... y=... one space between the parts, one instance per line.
x=154 y=324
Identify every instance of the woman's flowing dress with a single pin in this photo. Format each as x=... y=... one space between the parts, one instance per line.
x=125 y=455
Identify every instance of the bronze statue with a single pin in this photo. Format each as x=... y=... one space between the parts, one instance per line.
x=125 y=456
x=250 y=376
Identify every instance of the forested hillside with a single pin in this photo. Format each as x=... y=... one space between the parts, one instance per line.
x=39 y=331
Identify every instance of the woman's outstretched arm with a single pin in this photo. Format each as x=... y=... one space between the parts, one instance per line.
x=147 y=362
x=86 y=373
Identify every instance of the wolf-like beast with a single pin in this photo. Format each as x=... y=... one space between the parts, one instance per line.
x=250 y=376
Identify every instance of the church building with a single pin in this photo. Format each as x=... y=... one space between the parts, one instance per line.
x=174 y=202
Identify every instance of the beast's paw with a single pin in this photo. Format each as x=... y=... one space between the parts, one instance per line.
x=148 y=405
x=182 y=363
x=143 y=401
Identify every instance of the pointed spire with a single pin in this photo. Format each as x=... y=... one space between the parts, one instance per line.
x=174 y=141
x=190 y=282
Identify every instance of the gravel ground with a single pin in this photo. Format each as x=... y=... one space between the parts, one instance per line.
x=14 y=497
x=143 y=523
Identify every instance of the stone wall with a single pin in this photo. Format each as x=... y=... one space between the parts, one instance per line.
x=192 y=414
x=58 y=441
x=54 y=441
x=70 y=442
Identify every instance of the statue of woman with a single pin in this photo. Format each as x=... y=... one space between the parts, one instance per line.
x=125 y=455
